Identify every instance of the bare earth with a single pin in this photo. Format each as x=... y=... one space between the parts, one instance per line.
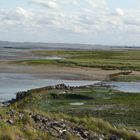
x=59 y=72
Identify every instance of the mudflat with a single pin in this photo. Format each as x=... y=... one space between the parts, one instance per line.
x=55 y=71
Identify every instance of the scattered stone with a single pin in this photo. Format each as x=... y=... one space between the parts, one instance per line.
x=60 y=128
x=1 y=117
x=11 y=122
x=114 y=137
x=12 y=112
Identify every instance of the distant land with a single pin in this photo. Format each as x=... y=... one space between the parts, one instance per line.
x=39 y=45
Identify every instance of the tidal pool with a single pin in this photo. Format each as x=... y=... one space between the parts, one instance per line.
x=76 y=103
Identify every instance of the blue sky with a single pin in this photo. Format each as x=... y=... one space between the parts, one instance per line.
x=115 y=22
x=123 y=3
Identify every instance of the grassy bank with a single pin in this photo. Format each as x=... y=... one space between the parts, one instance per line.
x=118 y=108
x=113 y=106
x=103 y=111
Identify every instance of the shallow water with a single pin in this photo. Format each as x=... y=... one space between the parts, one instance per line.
x=10 y=84
x=126 y=86
x=76 y=103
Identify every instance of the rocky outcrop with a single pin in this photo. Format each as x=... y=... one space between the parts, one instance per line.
x=21 y=95
x=59 y=129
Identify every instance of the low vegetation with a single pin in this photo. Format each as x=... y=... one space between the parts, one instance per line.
x=109 y=59
x=104 y=112
x=77 y=113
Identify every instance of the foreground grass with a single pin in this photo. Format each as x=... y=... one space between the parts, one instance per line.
x=118 y=108
x=24 y=128
x=105 y=111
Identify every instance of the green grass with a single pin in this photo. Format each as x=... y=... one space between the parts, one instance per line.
x=98 y=58
x=109 y=111
x=26 y=129
x=116 y=107
x=126 y=78
x=36 y=62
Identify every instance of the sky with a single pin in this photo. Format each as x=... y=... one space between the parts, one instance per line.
x=107 y=22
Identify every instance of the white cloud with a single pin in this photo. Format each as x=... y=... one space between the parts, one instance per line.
x=51 y=4
x=97 y=4
x=75 y=2
x=132 y=18
x=70 y=16
x=119 y=12
x=23 y=13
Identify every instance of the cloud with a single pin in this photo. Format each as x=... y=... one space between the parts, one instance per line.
x=51 y=4
x=119 y=12
x=134 y=22
x=87 y=17
x=93 y=20
x=23 y=13
x=97 y=4
x=132 y=18
x=16 y=19
x=75 y=2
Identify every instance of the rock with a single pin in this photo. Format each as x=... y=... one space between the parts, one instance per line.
x=11 y=122
x=21 y=115
x=114 y=137
x=20 y=95
x=20 y=138
x=81 y=132
x=36 y=118
x=11 y=112
x=60 y=129
x=1 y=117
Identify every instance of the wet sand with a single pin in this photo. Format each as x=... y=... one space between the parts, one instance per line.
x=59 y=72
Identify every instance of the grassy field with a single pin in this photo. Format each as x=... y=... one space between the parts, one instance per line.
x=119 y=109
x=110 y=59
x=101 y=110
x=116 y=107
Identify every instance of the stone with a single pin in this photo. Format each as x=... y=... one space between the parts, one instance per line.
x=11 y=122
x=114 y=137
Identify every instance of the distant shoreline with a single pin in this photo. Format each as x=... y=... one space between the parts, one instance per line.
x=69 y=46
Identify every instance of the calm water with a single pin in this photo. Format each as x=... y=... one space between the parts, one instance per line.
x=12 y=83
x=127 y=86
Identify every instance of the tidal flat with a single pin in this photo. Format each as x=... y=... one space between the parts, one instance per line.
x=109 y=110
